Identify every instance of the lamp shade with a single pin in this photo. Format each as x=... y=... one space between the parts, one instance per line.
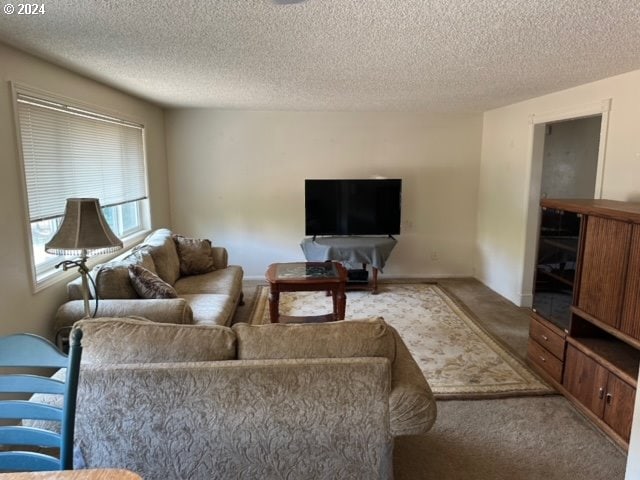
x=83 y=230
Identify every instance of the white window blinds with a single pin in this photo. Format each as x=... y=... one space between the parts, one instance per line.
x=69 y=152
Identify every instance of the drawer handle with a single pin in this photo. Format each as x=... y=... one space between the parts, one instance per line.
x=609 y=398
x=601 y=393
x=545 y=338
x=542 y=358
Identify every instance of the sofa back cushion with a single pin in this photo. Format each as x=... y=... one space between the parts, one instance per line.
x=112 y=279
x=195 y=254
x=162 y=248
x=341 y=339
x=138 y=340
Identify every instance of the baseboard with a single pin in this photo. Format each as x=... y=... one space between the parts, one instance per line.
x=526 y=300
x=424 y=276
x=393 y=276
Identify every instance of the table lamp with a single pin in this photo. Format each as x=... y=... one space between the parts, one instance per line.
x=84 y=231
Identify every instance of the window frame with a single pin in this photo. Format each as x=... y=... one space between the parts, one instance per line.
x=52 y=275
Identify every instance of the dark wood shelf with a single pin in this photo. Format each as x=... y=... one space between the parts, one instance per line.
x=597 y=324
x=618 y=357
x=564 y=276
x=570 y=244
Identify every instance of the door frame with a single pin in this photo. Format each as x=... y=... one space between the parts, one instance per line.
x=537 y=127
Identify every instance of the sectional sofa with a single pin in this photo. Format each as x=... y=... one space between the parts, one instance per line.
x=206 y=289
x=319 y=401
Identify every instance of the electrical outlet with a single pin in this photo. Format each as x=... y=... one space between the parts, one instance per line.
x=434 y=256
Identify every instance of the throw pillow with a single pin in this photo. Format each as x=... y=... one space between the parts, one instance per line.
x=162 y=248
x=342 y=339
x=148 y=285
x=195 y=255
x=135 y=340
x=112 y=278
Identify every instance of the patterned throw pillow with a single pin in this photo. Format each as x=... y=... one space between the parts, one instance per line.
x=148 y=285
x=195 y=255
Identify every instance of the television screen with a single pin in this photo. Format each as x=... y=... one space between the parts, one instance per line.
x=352 y=207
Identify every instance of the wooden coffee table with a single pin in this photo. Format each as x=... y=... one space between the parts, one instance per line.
x=307 y=276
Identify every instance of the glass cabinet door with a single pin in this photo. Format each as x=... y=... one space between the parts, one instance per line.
x=556 y=265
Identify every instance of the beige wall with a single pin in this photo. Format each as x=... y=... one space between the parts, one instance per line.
x=238 y=178
x=23 y=310
x=505 y=166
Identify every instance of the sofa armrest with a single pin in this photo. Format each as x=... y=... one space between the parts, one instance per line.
x=220 y=257
x=320 y=419
x=169 y=310
x=411 y=403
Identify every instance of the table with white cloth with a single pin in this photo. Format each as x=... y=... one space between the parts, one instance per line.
x=351 y=250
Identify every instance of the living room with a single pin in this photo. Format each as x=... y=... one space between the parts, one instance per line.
x=236 y=175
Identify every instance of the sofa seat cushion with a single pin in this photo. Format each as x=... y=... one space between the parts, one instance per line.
x=227 y=280
x=211 y=308
x=341 y=339
x=162 y=248
x=137 y=340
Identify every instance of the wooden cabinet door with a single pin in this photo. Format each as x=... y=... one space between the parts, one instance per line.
x=619 y=401
x=604 y=269
x=585 y=379
x=630 y=321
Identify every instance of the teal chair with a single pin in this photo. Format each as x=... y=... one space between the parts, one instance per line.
x=19 y=443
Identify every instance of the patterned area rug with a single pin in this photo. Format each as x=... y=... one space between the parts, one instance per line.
x=457 y=356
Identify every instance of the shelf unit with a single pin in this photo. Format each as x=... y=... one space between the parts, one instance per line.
x=589 y=346
x=558 y=244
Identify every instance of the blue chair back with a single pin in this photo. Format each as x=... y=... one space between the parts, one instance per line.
x=27 y=351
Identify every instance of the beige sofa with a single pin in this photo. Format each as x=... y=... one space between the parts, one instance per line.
x=204 y=299
x=319 y=401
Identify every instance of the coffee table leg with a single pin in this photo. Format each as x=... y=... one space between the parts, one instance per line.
x=342 y=302
x=274 y=300
x=334 y=301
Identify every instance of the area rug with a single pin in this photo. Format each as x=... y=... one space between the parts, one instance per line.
x=457 y=356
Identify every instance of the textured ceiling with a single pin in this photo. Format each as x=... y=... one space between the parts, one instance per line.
x=438 y=55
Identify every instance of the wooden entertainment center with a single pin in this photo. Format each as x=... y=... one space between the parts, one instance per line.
x=585 y=326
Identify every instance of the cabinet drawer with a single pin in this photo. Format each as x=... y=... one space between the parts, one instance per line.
x=545 y=360
x=546 y=337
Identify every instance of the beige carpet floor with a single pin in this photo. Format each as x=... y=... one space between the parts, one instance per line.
x=532 y=438
x=456 y=355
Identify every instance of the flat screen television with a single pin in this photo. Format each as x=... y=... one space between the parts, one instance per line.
x=353 y=207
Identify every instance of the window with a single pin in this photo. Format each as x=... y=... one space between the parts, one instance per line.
x=68 y=151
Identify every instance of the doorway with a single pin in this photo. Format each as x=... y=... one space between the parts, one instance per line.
x=567 y=161
x=570 y=158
